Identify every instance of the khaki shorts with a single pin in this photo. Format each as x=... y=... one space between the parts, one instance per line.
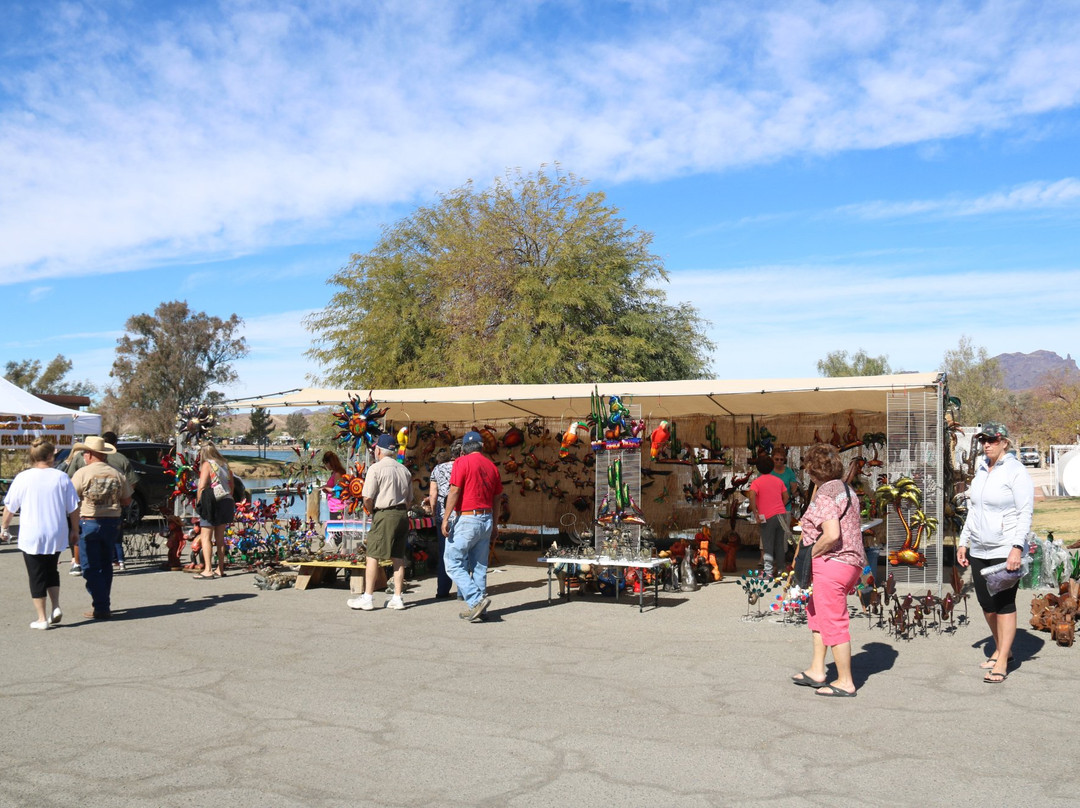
x=386 y=539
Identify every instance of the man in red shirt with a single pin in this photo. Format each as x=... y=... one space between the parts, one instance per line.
x=768 y=508
x=470 y=523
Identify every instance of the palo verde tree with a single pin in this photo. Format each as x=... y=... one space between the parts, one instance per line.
x=28 y=375
x=837 y=363
x=171 y=359
x=531 y=280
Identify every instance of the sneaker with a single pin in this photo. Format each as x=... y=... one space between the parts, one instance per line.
x=363 y=603
x=121 y=566
x=57 y=616
x=40 y=624
x=395 y=603
x=75 y=570
x=476 y=613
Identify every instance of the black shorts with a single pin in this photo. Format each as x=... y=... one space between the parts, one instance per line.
x=42 y=571
x=215 y=512
x=1004 y=602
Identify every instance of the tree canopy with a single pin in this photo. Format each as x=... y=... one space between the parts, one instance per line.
x=836 y=363
x=533 y=280
x=296 y=424
x=171 y=359
x=29 y=376
x=977 y=381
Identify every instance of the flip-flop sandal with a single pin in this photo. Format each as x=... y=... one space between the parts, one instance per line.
x=993 y=678
x=832 y=691
x=204 y=577
x=991 y=662
x=805 y=681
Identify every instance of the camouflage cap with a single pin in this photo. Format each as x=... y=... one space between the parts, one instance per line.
x=993 y=431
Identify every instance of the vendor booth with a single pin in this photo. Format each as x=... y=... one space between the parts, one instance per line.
x=888 y=428
x=24 y=417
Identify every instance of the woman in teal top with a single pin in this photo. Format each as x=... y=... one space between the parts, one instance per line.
x=787 y=475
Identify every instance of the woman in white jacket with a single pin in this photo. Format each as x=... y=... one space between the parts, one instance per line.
x=1001 y=499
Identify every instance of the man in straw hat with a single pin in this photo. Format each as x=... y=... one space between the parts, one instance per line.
x=104 y=493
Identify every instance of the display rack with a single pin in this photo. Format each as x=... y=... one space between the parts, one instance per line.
x=914 y=450
x=631 y=476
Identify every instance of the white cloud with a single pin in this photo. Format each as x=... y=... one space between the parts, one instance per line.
x=1031 y=196
x=223 y=130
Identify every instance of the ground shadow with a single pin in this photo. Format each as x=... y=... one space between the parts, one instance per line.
x=874 y=658
x=515 y=586
x=1026 y=647
x=179 y=606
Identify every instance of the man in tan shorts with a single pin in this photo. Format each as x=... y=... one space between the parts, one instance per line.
x=387 y=496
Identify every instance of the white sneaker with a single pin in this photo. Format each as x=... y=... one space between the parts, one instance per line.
x=57 y=616
x=75 y=570
x=121 y=566
x=363 y=603
x=40 y=624
x=395 y=603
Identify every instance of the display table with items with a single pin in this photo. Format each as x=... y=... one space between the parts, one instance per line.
x=648 y=568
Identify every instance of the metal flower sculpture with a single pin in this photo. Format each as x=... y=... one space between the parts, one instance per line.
x=358 y=423
x=195 y=422
x=184 y=472
x=304 y=476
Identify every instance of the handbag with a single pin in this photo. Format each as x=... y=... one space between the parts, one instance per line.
x=804 y=561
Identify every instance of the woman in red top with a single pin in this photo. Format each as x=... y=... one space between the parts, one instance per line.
x=831 y=531
x=768 y=508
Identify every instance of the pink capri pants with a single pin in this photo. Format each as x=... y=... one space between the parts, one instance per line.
x=826 y=611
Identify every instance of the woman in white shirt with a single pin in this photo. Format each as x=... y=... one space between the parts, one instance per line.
x=1001 y=499
x=48 y=509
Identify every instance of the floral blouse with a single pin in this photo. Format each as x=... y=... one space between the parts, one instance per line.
x=828 y=503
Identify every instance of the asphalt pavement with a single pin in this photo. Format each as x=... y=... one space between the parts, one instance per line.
x=218 y=693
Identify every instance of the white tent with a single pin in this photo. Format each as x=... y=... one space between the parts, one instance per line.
x=711 y=397
x=24 y=416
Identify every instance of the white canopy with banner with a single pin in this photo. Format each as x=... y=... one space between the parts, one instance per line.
x=24 y=416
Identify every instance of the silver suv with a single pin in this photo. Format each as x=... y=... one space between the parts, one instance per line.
x=1029 y=456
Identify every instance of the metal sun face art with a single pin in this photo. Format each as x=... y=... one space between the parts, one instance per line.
x=350 y=489
x=357 y=423
x=195 y=422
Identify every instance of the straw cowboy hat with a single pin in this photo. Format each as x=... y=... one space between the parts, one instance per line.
x=95 y=444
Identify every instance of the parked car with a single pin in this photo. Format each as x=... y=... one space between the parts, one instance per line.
x=152 y=489
x=1030 y=456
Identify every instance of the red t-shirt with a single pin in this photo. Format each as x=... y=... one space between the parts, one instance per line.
x=478 y=479
x=769 y=491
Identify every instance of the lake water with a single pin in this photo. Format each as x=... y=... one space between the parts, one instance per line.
x=299 y=506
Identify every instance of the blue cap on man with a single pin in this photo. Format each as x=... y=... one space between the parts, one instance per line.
x=472 y=437
x=386 y=441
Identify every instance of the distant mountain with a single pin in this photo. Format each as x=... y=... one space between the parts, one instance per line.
x=1024 y=371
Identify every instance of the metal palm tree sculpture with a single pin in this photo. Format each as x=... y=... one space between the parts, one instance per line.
x=905 y=492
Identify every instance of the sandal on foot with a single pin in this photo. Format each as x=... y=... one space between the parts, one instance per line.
x=201 y=577
x=991 y=662
x=804 y=680
x=832 y=691
x=995 y=678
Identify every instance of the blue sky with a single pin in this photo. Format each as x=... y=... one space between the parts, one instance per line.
x=818 y=176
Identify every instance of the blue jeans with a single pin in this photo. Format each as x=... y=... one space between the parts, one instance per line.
x=97 y=539
x=466 y=555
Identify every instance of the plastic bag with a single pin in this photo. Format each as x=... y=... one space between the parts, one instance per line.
x=998 y=578
x=1055 y=557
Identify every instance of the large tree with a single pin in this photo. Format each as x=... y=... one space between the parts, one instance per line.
x=837 y=363
x=28 y=375
x=532 y=280
x=978 y=382
x=296 y=424
x=172 y=359
x=262 y=424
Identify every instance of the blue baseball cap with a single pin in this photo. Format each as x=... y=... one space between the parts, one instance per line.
x=385 y=441
x=472 y=437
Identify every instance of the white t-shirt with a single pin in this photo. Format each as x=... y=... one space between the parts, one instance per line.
x=43 y=498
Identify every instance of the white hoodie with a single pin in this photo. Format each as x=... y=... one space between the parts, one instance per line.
x=1000 y=504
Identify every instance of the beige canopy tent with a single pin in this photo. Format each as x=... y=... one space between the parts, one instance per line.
x=676 y=399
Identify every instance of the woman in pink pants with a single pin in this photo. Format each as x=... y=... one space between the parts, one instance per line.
x=832 y=531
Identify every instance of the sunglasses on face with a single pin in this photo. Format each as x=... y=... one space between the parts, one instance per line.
x=989 y=438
